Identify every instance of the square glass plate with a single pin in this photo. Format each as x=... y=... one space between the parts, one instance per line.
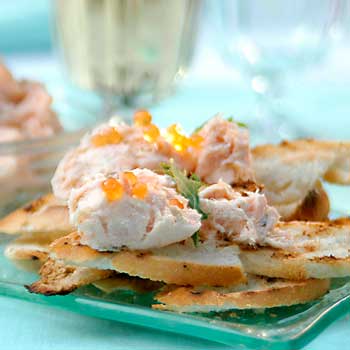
x=278 y=328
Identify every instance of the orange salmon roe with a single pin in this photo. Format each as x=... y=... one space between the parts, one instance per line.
x=109 y=137
x=139 y=190
x=179 y=141
x=196 y=141
x=142 y=118
x=112 y=189
x=130 y=177
x=176 y=202
x=151 y=133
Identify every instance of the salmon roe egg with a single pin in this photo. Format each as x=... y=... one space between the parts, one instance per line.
x=112 y=189
x=111 y=136
x=173 y=132
x=130 y=177
x=142 y=118
x=178 y=140
x=176 y=203
x=139 y=190
x=151 y=133
x=196 y=141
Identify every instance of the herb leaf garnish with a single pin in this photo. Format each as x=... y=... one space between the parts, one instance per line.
x=188 y=186
x=229 y=119
x=240 y=124
x=195 y=238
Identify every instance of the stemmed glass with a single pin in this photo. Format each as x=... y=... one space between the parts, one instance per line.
x=269 y=38
x=125 y=53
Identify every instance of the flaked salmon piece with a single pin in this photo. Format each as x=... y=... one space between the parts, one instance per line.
x=225 y=153
x=236 y=215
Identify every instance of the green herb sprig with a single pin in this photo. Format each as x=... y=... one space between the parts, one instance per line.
x=188 y=186
x=240 y=124
x=229 y=119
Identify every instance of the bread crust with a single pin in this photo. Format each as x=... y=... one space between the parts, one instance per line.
x=264 y=294
x=334 y=154
x=160 y=268
x=315 y=206
x=60 y=279
x=315 y=250
x=282 y=264
x=31 y=246
x=291 y=169
x=45 y=214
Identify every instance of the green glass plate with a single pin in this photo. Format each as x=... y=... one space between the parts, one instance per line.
x=278 y=328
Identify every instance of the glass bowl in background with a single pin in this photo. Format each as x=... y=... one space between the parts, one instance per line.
x=27 y=167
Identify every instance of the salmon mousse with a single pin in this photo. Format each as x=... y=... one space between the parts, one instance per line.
x=140 y=209
x=25 y=114
x=115 y=147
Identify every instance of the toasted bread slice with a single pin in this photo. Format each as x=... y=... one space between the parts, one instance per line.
x=315 y=207
x=31 y=246
x=308 y=250
x=279 y=263
x=45 y=214
x=290 y=170
x=58 y=278
x=258 y=293
x=176 y=264
x=302 y=250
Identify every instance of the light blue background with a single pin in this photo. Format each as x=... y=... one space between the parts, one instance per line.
x=320 y=103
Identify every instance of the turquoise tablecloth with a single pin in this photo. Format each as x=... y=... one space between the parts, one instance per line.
x=25 y=325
